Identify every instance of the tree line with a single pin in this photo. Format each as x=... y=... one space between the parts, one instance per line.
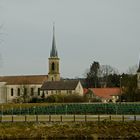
x=100 y=76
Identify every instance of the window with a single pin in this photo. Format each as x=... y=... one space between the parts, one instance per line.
x=25 y=91
x=18 y=92
x=38 y=92
x=53 y=66
x=69 y=91
x=12 y=92
x=32 y=91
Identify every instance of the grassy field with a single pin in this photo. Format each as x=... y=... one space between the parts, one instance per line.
x=24 y=105
x=81 y=130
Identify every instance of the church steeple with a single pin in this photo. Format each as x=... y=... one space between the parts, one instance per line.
x=139 y=67
x=53 y=74
x=53 y=52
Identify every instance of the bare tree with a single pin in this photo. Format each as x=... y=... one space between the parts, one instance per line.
x=106 y=70
x=132 y=70
x=26 y=92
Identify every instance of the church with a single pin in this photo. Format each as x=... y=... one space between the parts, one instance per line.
x=14 y=87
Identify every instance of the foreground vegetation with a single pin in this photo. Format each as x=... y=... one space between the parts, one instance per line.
x=106 y=130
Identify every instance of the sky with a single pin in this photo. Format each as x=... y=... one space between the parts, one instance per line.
x=107 y=31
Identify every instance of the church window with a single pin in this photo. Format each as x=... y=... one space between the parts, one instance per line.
x=12 y=92
x=32 y=91
x=18 y=92
x=53 y=66
x=38 y=91
x=69 y=91
x=25 y=91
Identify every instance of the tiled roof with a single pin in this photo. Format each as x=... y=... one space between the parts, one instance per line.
x=105 y=92
x=28 y=79
x=60 y=85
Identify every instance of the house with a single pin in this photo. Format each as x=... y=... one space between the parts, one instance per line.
x=105 y=94
x=65 y=87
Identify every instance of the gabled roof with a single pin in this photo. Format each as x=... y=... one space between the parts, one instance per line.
x=20 y=80
x=60 y=85
x=106 y=93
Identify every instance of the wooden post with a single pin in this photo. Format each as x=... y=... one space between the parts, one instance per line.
x=85 y=118
x=135 y=118
x=61 y=118
x=122 y=118
x=36 y=118
x=98 y=118
x=74 y=117
x=12 y=118
x=110 y=117
x=1 y=118
x=49 y=118
x=25 y=118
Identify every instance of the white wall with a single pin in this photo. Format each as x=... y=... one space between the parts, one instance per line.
x=3 y=95
x=21 y=87
x=79 y=89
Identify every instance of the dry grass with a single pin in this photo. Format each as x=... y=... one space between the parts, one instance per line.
x=23 y=105
x=129 y=130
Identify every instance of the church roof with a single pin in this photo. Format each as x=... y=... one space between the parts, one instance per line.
x=60 y=85
x=20 y=80
x=53 y=52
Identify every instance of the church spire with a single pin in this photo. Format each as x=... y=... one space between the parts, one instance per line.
x=139 y=67
x=53 y=52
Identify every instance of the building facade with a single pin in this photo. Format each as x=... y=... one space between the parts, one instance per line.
x=63 y=87
x=14 y=87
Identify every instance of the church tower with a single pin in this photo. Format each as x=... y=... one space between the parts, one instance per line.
x=53 y=74
x=138 y=77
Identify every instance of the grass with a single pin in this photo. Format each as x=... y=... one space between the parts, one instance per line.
x=24 y=105
x=81 y=130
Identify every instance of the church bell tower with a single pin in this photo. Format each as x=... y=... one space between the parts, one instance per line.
x=54 y=74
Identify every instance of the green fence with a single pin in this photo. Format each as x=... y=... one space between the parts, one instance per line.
x=79 y=108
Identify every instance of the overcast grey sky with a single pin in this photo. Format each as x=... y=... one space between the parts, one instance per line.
x=107 y=31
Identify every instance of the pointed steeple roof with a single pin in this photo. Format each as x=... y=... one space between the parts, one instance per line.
x=139 y=67
x=53 y=52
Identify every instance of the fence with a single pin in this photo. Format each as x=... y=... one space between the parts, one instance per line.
x=67 y=118
x=61 y=109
